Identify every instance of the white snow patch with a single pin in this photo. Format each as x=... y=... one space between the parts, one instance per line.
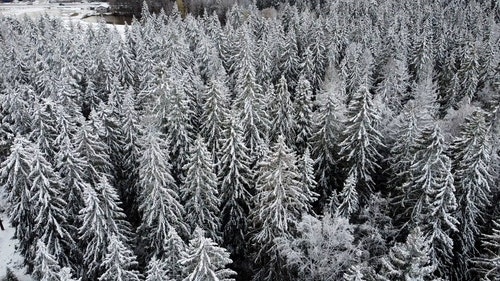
x=9 y=257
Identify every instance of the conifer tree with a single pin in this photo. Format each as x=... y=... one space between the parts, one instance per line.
x=362 y=140
x=46 y=265
x=47 y=198
x=174 y=247
x=92 y=149
x=71 y=168
x=409 y=260
x=488 y=264
x=119 y=262
x=349 y=197
x=156 y=270
x=44 y=127
x=473 y=169
x=325 y=137
x=282 y=115
x=205 y=260
x=16 y=183
x=279 y=203
x=158 y=200
x=235 y=178
x=303 y=110
x=430 y=196
x=101 y=218
x=200 y=192
x=215 y=114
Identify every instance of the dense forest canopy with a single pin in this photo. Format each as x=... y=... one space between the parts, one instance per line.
x=354 y=140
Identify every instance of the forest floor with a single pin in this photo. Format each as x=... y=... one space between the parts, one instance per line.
x=9 y=257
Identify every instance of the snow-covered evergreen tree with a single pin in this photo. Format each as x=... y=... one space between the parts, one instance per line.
x=158 y=200
x=282 y=114
x=101 y=218
x=488 y=264
x=119 y=262
x=409 y=260
x=215 y=114
x=235 y=179
x=51 y=216
x=46 y=266
x=174 y=247
x=473 y=169
x=16 y=184
x=200 y=192
x=278 y=206
x=430 y=196
x=326 y=136
x=303 y=110
x=156 y=270
x=203 y=259
x=362 y=140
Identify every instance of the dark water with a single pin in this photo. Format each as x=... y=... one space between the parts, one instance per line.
x=111 y=19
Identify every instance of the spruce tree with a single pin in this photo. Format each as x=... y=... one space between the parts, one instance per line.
x=119 y=262
x=430 y=196
x=158 y=199
x=46 y=265
x=47 y=198
x=362 y=141
x=156 y=270
x=235 y=179
x=409 y=260
x=279 y=203
x=282 y=115
x=473 y=170
x=205 y=260
x=16 y=183
x=200 y=192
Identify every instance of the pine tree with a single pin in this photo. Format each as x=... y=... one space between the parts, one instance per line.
x=71 y=168
x=326 y=135
x=362 y=140
x=473 y=169
x=409 y=260
x=200 y=192
x=174 y=247
x=205 y=260
x=51 y=218
x=282 y=115
x=119 y=262
x=303 y=109
x=46 y=265
x=16 y=183
x=215 y=114
x=158 y=200
x=235 y=178
x=101 y=218
x=131 y=130
x=44 y=127
x=279 y=203
x=92 y=149
x=431 y=196
x=349 y=197
x=156 y=270
x=250 y=100
x=488 y=264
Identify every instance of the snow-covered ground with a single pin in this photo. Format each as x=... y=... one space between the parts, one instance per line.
x=66 y=10
x=75 y=11
x=9 y=257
